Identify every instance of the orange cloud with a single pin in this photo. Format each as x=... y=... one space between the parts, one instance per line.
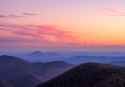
x=37 y=36
x=53 y=36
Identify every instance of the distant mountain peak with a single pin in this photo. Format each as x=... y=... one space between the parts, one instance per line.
x=37 y=53
x=40 y=53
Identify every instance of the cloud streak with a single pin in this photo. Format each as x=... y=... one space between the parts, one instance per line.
x=24 y=14
x=30 y=14
x=113 y=12
x=10 y=16
x=40 y=35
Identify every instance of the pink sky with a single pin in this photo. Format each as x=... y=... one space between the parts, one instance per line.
x=61 y=23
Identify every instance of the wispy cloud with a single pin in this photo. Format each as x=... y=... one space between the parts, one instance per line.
x=113 y=12
x=19 y=15
x=42 y=35
x=30 y=14
x=10 y=16
x=2 y=16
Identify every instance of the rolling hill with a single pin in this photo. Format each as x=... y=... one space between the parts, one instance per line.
x=90 y=75
x=22 y=73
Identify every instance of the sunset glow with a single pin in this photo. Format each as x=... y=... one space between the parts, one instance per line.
x=61 y=23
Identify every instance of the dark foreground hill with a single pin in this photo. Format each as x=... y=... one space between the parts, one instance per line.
x=90 y=75
x=21 y=73
x=4 y=83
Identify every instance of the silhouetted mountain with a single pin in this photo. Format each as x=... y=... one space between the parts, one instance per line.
x=13 y=68
x=57 y=64
x=26 y=74
x=9 y=59
x=4 y=83
x=90 y=75
x=40 y=53
x=119 y=63
x=51 y=69
x=36 y=53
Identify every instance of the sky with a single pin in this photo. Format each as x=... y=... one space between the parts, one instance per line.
x=62 y=24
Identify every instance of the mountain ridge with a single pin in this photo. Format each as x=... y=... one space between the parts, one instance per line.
x=27 y=74
x=89 y=75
